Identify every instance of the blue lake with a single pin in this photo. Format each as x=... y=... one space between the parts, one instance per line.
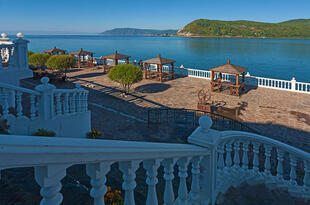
x=276 y=58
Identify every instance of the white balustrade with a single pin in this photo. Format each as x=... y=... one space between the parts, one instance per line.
x=70 y=101
x=44 y=154
x=13 y=99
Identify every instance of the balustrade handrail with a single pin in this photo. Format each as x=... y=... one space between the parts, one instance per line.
x=240 y=135
x=24 y=90
x=70 y=91
x=26 y=151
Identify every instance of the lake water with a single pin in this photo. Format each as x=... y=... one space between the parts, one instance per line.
x=275 y=58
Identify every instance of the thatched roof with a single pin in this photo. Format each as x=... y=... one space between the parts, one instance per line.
x=116 y=56
x=229 y=68
x=81 y=53
x=159 y=61
x=55 y=50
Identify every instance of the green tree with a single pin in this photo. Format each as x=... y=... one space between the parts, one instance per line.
x=61 y=63
x=30 y=53
x=126 y=75
x=38 y=60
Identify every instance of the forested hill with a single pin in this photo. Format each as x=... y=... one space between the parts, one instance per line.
x=299 y=28
x=137 y=32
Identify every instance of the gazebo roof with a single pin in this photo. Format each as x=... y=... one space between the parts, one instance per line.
x=54 y=50
x=81 y=52
x=116 y=56
x=159 y=61
x=229 y=68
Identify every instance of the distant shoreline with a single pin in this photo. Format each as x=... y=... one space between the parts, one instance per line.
x=249 y=37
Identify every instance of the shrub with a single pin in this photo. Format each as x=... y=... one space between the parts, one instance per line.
x=44 y=132
x=60 y=62
x=126 y=75
x=94 y=134
x=38 y=60
x=113 y=197
x=30 y=53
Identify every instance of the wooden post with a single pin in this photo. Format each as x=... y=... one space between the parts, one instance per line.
x=127 y=60
x=237 y=84
x=104 y=61
x=79 y=61
x=172 y=70
x=212 y=76
x=115 y=61
x=161 y=73
x=145 y=70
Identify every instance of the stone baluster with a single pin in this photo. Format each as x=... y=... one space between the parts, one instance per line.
x=19 y=107
x=236 y=155
x=220 y=162
x=168 y=165
x=307 y=175
x=255 y=160
x=32 y=107
x=72 y=103
x=49 y=177
x=182 y=192
x=195 y=186
x=151 y=167
x=58 y=104
x=1 y=66
x=267 y=164
x=97 y=172
x=293 y=163
x=66 y=103
x=85 y=101
x=228 y=161
x=128 y=169
x=5 y=97
x=245 y=158
x=280 y=164
x=78 y=97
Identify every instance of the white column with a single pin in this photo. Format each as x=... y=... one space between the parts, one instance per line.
x=32 y=107
x=182 y=192
x=168 y=165
x=97 y=172
x=128 y=169
x=19 y=107
x=21 y=52
x=46 y=99
x=49 y=177
x=245 y=158
x=293 y=84
x=267 y=165
x=1 y=66
x=255 y=160
x=151 y=167
x=195 y=186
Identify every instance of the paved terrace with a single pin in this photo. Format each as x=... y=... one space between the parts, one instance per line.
x=282 y=115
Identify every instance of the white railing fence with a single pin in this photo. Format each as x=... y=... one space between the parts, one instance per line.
x=42 y=105
x=246 y=157
x=221 y=160
x=47 y=157
x=278 y=84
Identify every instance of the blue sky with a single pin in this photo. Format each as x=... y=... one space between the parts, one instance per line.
x=93 y=16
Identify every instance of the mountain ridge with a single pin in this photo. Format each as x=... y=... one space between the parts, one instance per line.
x=296 y=28
x=138 y=32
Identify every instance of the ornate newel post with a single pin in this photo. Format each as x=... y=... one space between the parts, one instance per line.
x=293 y=83
x=204 y=136
x=21 y=52
x=46 y=99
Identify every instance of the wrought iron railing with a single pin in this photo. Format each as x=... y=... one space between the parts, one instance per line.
x=187 y=120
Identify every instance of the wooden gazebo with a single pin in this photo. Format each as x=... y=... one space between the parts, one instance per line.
x=115 y=57
x=217 y=84
x=82 y=53
x=159 y=61
x=55 y=51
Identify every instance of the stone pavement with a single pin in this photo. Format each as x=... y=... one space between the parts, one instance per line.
x=282 y=115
